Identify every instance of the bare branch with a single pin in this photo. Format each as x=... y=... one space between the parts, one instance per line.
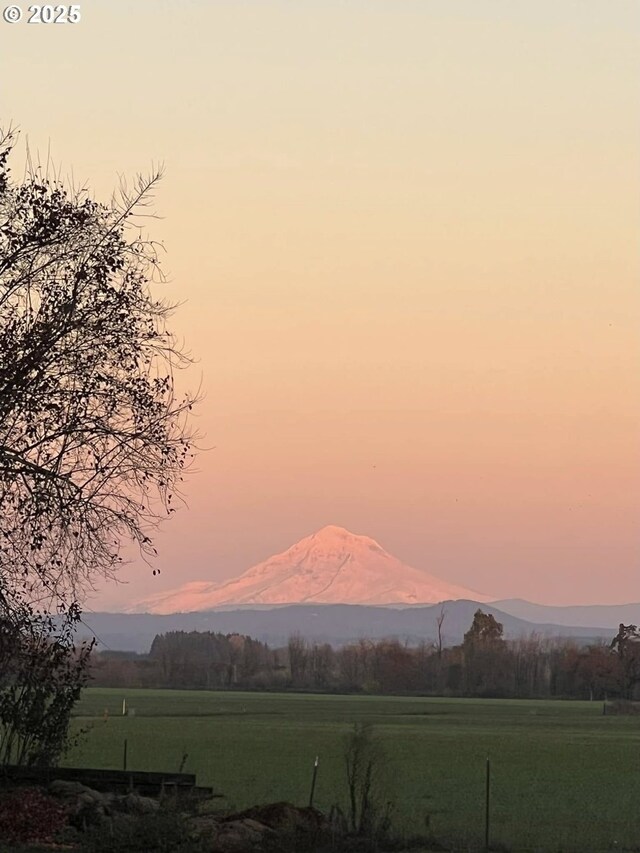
x=94 y=441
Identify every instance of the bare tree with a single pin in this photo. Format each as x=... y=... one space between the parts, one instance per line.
x=440 y=621
x=298 y=650
x=365 y=770
x=93 y=436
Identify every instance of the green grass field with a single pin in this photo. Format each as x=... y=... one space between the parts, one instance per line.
x=564 y=777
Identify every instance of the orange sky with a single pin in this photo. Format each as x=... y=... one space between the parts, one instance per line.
x=407 y=237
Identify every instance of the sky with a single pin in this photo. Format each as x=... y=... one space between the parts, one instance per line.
x=405 y=239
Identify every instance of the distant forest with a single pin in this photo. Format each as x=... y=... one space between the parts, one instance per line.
x=483 y=665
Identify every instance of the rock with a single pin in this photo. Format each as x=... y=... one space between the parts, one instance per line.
x=276 y=826
x=67 y=790
x=285 y=817
x=242 y=836
x=86 y=807
x=204 y=826
x=135 y=804
x=90 y=809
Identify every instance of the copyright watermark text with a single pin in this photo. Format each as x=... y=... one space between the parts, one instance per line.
x=14 y=13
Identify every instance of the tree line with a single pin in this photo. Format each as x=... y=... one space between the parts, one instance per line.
x=485 y=664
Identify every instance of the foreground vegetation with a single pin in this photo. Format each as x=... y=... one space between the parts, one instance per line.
x=563 y=775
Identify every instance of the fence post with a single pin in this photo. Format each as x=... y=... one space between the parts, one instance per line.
x=313 y=782
x=486 y=806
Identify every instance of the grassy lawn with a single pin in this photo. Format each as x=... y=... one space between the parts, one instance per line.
x=564 y=778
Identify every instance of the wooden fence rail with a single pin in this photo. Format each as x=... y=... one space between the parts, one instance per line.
x=143 y=782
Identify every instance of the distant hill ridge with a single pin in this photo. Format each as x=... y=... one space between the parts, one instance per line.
x=338 y=624
x=602 y=615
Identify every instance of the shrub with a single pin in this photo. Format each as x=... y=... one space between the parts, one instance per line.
x=364 y=765
x=164 y=832
x=30 y=815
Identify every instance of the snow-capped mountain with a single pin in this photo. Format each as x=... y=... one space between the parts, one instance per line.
x=332 y=566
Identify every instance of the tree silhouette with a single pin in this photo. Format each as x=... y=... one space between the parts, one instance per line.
x=485 y=631
x=626 y=646
x=485 y=656
x=93 y=438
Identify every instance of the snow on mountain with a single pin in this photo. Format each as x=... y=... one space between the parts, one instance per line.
x=332 y=566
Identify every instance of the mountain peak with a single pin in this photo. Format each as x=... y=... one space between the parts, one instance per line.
x=330 y=566
x=333 y=531
x=334 y=536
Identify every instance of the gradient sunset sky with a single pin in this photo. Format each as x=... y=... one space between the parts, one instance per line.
x=406 y=235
